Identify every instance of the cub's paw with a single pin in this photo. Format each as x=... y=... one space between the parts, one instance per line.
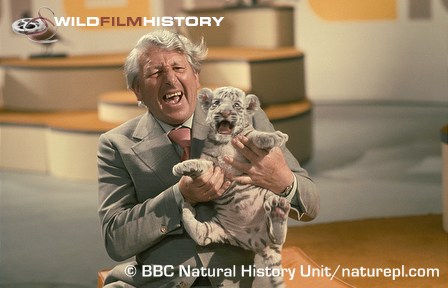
x=188 y=211
x=277 y=208
x=192 y=168
x=270 y=140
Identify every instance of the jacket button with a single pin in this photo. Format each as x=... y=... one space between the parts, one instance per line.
x=163 y=229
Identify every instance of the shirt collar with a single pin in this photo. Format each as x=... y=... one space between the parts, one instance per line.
x=167 y=127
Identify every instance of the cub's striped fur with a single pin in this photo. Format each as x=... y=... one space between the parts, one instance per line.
x=247 y=216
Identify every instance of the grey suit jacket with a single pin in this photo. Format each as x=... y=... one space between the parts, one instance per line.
x=139 y=213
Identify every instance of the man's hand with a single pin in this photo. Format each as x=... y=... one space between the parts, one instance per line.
x=267 y=169
x=206 y=187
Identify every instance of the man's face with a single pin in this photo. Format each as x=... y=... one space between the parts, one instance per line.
x=167 y=85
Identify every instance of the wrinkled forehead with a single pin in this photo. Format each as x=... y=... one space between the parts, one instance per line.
x=157 y=57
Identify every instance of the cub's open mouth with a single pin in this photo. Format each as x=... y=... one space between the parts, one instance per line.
x=224 y=127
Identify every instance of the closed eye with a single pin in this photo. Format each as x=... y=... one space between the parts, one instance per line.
x=179 y=68
x=152 y=74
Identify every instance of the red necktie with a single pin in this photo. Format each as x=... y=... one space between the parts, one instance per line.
x=181 y=136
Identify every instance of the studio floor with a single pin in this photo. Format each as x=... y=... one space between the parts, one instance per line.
x=369 y=161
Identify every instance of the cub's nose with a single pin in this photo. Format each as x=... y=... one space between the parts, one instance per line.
x=226 y=113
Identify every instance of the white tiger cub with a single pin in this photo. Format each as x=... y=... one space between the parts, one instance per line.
x=247 y=216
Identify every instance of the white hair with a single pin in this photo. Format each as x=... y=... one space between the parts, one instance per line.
x=168 y=40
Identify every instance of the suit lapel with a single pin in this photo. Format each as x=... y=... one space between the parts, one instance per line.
x=200 y=132
x=155 y=148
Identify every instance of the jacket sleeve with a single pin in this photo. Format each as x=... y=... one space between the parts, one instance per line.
x=130 y=226
x=306 y=202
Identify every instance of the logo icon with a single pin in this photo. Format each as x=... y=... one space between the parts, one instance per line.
x=38 y=29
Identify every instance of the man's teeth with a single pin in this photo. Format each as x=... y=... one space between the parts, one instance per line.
x=176 y=94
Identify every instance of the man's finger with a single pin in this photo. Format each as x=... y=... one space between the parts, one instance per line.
x=224 y=187
x=244 y=149
x=257 y=151
x=217 y=178
x=204 y=179
x=243 y=179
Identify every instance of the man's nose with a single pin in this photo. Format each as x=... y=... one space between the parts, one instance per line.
x=170 y=77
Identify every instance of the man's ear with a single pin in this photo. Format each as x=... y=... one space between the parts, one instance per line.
x=205 y=97
x=137 y=91
x=252 y=103
x=198 y=84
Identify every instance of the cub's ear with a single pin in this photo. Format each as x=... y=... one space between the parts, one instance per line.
x=252 y=103
x=205 y=96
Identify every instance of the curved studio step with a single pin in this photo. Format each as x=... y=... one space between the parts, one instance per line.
x=444 y=146
x=118 y=106
x=60 y=84
x=261 y=26
x=275 y=76
x=63 y=144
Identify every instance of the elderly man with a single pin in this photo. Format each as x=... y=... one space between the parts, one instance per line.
x=141 y=201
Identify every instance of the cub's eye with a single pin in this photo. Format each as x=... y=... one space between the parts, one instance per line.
x=216 y=103
x=237 y=105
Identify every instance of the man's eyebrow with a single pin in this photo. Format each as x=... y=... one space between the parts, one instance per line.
x=178 y=62
x=150 y=66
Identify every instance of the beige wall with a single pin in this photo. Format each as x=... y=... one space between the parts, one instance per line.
x=396 y=51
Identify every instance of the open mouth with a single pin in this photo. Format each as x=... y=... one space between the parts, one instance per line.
x=225 y=127
x=173 y=98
